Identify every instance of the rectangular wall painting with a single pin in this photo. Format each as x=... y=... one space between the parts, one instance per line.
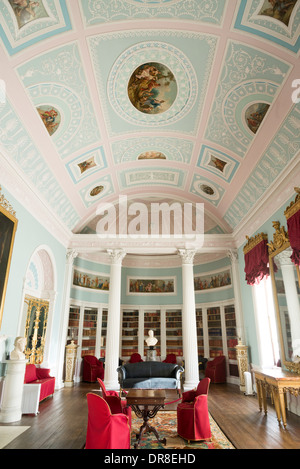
x=150 y=286
x=90 y=280
x=213 y=280
x=8 y=226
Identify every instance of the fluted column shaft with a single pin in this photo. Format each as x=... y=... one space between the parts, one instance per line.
x=189 y=325
x=113 y=320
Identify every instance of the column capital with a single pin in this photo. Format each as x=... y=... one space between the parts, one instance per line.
x=187 y=255
x=233 y=255
x=116 y=255
x=71 y=255
x=284 y=257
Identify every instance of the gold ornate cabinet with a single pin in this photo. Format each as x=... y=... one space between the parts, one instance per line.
x=276 y=383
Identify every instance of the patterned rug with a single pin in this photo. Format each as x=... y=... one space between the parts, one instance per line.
x=165 y=423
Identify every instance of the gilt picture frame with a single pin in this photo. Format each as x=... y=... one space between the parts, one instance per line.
x=8 y=227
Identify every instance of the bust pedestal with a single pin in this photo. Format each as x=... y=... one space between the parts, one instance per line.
x=71 y=351
x=151 y=354
x=11 y=409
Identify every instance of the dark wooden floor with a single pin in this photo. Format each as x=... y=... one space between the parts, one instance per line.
x=61 y=423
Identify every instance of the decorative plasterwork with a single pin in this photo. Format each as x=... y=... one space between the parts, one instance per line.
x=281 y=151
x=152 y=176
x=17 y=142
x=207 y=190
x=254 y=70
x=250 y=19
x=86 y=164
x=174 y=149
x=137 y=55
x=58 y=78
x=176 y=50
x=201 y=11
x=217 y=163
x=50 y=18
x=90 y=196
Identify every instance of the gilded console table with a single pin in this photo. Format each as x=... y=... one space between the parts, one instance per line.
x=277 y=383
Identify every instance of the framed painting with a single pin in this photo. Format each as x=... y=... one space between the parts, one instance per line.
x=219 y=279
x=150 y=286
x=94 y=281
x=8 y=226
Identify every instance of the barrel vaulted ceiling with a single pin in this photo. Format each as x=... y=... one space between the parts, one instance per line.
x=178 y=100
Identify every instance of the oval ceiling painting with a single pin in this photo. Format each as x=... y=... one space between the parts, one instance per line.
x=255 y=115
x=51 y=118
x=96 y=191
x=152 y=88
x=152 y=155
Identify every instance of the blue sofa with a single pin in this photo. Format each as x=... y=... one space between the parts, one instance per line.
x=150 y=375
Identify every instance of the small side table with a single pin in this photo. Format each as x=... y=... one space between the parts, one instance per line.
x=155 y=398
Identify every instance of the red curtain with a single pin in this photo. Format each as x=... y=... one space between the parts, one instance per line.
x=293 y=225
x=256 y=259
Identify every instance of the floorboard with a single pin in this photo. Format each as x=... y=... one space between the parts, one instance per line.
x=62 y=421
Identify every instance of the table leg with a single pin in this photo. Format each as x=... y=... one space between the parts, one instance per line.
x=259 y=394
x=264 y=397
x=282 y=406
x=146 y=427
x=276 y=403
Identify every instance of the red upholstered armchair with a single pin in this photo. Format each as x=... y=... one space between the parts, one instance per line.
x=192 y=414
x=104 y=429
x=135 y=358
x=116 y=404
x=170 y=358
x=92 y=369
x=216 y=370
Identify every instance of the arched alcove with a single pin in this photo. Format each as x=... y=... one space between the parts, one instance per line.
x=39 y=294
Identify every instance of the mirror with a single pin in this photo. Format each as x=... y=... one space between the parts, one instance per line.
x=35 y=329
x=285 y=283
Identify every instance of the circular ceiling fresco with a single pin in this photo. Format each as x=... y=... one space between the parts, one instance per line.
x=156 y=92
x=152 y=88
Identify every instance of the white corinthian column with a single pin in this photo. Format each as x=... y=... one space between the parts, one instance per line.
x=189 y=326
x=113 y=320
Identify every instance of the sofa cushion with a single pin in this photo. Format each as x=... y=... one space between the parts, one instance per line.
x=47 y=388
x=30 y=373
x=150 y=383
x=42 y=373
x=150 y=369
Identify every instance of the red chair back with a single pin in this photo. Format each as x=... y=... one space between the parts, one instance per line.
x=170 y=358
x=102 y=386
x=105 y=430
x=135 y=358
x=203 y=386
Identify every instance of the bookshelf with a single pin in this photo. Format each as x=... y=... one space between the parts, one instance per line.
x=73 y=325
x=130 y=324
x=200 y=336
x=88 y=343
x=174 y=332
x=103 y=332
x=215 y=333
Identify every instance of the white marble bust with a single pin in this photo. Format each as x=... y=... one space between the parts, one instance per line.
x=17 y=353
x=151 y=341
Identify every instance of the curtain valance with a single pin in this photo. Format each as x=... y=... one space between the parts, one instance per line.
x=292 y=214
x=256 y=258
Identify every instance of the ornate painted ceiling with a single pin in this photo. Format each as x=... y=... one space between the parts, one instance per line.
x=178 y=100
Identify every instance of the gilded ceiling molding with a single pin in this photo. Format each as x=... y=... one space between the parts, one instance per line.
x=294 y=205
x=5 y=204
x=254 y=241
x=280 y=237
